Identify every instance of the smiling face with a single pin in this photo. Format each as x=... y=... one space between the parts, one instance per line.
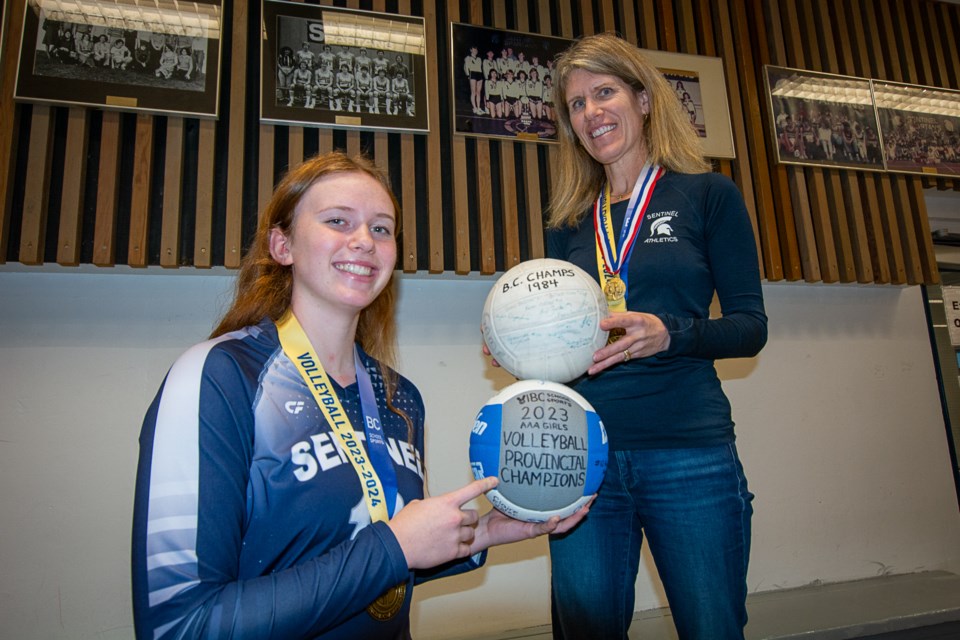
x=607 y=116
x=342 y=245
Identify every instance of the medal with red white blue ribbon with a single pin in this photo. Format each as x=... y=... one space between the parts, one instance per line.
x=613 y=254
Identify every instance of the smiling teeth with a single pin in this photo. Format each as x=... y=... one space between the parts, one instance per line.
x=602 y=130
x=355 y=269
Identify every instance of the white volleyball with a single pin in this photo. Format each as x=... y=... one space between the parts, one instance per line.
x=547 y=446
x=542 y=318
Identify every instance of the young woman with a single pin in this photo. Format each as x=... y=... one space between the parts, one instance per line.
x=511 y=96
x=301 y=82
x=285 y=66
x=493 y=92
x=280 y=485
x=473 y=69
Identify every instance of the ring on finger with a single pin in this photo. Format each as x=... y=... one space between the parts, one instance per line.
x=626 y=355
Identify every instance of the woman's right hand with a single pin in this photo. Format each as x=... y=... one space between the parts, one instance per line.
x=438 y=529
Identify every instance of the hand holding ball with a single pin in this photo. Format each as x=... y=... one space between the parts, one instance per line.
x=547 y=446
x=542 y=318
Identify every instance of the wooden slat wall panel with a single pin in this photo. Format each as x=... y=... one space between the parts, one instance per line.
x=461 y=204
x=796 y=230
x=950 y=26
x=233 y=247
x=810 y=223
x=510 y=227
x=830 y=206
x=531 y=166
x=265 y=169
x=588 y=23
x=708 y=47
x=743 y=173
x=74 y=174
x=13 y=28
x=484 y=187
x=107 y=190
x=812 y=179
x=203 y=228
x=888 y=41
x=666 y=25
x=780 y=183
x=172 y=184
x=408 y=206
x=931 y=24
x=408 y=176
x=850 y=22
x=944 y=33
x=629 y=21
x=140 y=198
x=765 y=223
x=434 y=157
x=353 y=136
x=916 y=65
x=854 y=250
x=36 y=194
x=381 y=142
x=872 y=66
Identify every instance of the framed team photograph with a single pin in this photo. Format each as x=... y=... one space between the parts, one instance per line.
x=702 y=90
x=343 y=68
x=159 y=56
x=823 y=119
x=502 y=83
x=920 y=128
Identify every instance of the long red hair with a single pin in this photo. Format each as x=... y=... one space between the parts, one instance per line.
x=264 y=287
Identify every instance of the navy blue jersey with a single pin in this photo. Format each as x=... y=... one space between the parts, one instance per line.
x=695 y=239
x=249 y=520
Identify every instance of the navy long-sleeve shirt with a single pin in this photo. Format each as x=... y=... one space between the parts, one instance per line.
x=249 y=519
x=695 y=239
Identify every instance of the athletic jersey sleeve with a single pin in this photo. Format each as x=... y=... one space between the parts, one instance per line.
x=741 y=331
x=192 y=507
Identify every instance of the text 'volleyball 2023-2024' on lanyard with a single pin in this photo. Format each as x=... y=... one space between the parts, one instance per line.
x=374 y=467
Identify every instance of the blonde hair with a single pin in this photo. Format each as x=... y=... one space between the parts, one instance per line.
x=667 y=135
x=264 y=287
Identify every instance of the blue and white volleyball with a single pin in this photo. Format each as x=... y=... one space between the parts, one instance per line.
x=541 y=320
x=547 y=446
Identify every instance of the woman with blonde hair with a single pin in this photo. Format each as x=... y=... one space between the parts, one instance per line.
x=280 y=485
x=636 y=206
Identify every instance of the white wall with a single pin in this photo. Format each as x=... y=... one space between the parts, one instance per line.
x=839 y=427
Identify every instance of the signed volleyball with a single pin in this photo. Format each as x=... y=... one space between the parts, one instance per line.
x=541 y=320
x=547 y=446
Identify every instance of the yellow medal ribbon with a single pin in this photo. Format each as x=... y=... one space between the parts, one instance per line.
x=296 y=345
x=613 y=287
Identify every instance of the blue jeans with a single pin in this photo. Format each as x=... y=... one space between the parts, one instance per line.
x=694 y=508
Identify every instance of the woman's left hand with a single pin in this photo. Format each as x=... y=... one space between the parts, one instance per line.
x=495 y=527
x=645 y=335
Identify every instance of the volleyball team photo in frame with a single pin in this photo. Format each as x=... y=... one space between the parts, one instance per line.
x=920 y=128
x=161 y=58
x=343 y=68
x=823 y=119
x=502 y=83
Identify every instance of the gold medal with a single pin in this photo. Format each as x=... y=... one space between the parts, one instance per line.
x=614 y=290
x=615 y=334
x=389 y=604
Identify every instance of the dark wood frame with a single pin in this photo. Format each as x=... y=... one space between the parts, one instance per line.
x=292 y=24
x=902 y=109
x=55 y=74
x=462 y=37
x=808 y=95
